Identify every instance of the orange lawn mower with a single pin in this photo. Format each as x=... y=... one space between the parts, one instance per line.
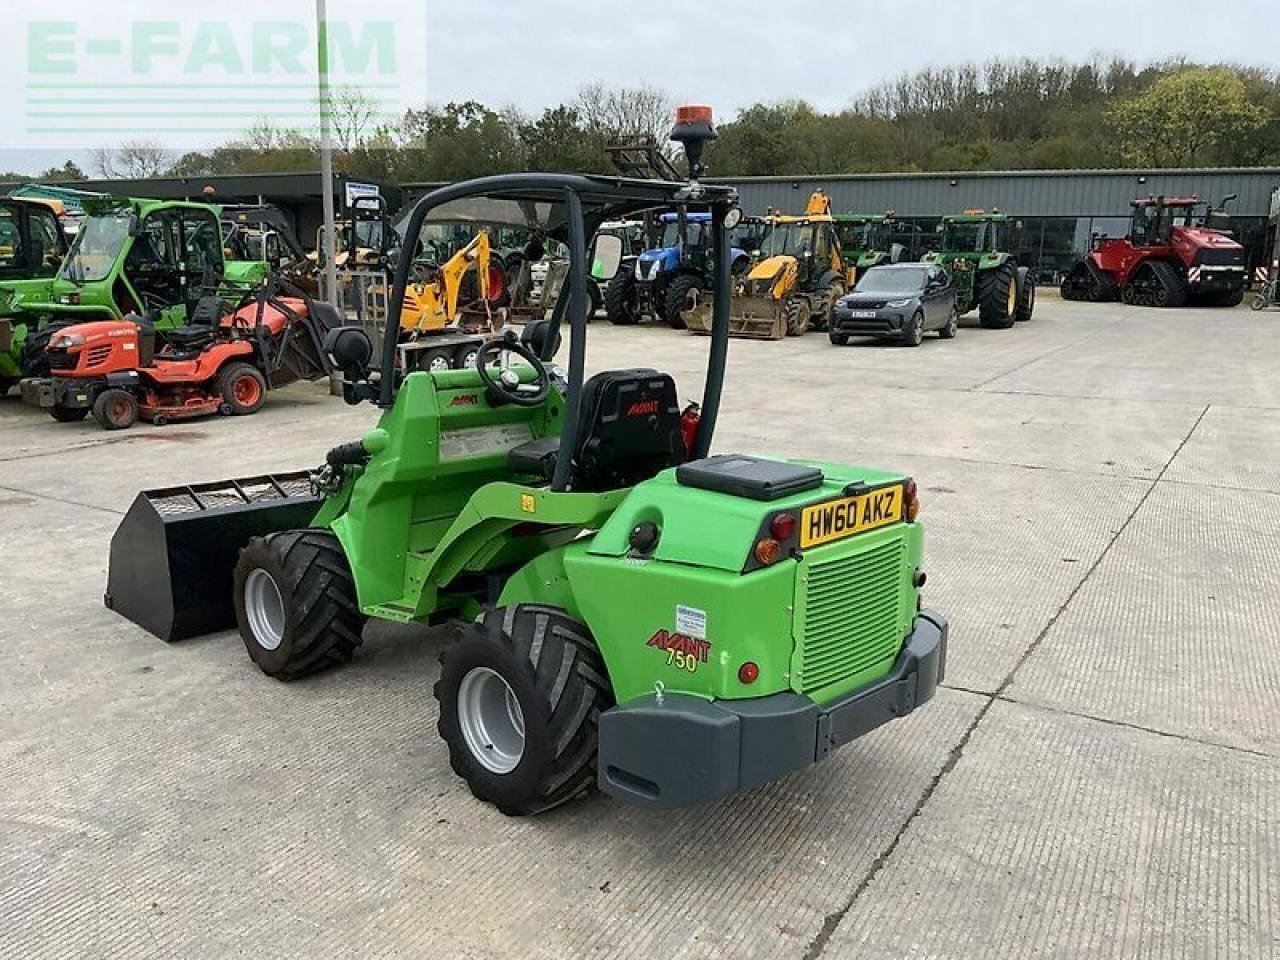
x=224 y=361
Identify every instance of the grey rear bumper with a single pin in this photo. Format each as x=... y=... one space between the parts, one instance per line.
x=685 y=750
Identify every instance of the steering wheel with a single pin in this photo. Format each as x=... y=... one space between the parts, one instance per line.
x=506 y=386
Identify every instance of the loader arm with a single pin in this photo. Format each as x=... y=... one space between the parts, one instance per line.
x=476 y=253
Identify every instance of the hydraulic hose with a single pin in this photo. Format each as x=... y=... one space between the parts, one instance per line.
x=347 y=454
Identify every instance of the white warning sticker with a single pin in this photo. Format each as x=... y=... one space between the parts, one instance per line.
x=691 y=621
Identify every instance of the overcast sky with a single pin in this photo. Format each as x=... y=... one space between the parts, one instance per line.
x=89 y=88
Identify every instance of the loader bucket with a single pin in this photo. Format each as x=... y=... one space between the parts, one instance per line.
x=754 y=318
x=173 y=554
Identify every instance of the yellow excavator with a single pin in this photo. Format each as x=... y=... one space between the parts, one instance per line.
x=798 y=275
x=432 y=303
x=450 y=309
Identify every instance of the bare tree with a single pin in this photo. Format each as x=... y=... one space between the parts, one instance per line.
x=132 y=160
x=626 y=112
x=354 y=116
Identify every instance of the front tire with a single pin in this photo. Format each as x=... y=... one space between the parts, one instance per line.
x=796 y=313
x=296 y=603
x=682 y=297
x=520 y=698
x=115 y=409
x=913 y=336
x=68 y=414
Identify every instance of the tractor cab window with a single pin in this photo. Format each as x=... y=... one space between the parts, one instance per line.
x=45 y=253
x=855 y=236
x=694 y=234
x=97 y=246
x=200 y=238
x=964 y=236
x=821 y=242
x=12 y=254
x=788 y=239
x=1145 y=231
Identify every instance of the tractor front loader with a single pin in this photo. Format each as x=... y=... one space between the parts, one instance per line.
x=632 y=612
x=795 y=282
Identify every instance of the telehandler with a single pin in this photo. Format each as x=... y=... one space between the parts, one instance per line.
x=630 y=610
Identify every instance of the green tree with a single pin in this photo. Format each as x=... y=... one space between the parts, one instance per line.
x=1198 y=115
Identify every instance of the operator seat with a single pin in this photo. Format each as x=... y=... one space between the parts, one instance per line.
x=629 y=429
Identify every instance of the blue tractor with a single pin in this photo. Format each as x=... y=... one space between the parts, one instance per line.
x=668 y=279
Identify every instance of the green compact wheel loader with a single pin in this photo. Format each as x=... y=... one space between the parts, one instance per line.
x=631 y=611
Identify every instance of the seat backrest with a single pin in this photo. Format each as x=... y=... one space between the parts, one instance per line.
x=629 y=425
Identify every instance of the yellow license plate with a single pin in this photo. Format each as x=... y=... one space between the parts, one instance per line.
x=837 y=519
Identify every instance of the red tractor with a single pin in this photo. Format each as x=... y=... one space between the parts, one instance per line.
x=1170 y=258
x=223 y=361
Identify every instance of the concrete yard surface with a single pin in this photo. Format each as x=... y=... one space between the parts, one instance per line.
x=1099 y=776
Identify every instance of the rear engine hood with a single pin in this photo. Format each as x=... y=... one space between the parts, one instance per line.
x=704 y=528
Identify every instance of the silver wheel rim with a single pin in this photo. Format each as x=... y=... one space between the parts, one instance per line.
x=491 y=720
x=438 y=363
x=469 y=359
x=264 y=609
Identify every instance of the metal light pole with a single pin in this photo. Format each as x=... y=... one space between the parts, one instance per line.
x=326 y=155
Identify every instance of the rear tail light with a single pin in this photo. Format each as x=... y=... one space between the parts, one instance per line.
x=911 y=500
x=768 y=551
x=748 y=673
x=782 y=526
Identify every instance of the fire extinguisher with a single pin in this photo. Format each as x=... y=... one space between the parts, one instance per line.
x=689 y=427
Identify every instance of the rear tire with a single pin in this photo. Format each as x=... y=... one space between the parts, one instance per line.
x=242 y=387
x=620 y=299
x=827 y=318
x=997 y=296
x=949 y=331
x=33 y=361
x=296 y=603
x=465 y=357
x=839 y=339
x=520 y=697
x=682 y=295
x=1026 y=296
x=115 y=409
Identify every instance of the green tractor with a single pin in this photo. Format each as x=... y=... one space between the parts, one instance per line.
x=866 y=240
x=972 y=249
x=32 y=245
x=145 y=257
x=628 y=610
